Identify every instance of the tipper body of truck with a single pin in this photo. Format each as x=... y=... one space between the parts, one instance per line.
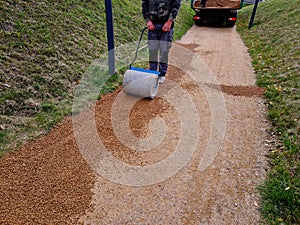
x=220 y=12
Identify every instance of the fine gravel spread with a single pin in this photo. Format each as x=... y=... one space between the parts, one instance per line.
x=48 y=181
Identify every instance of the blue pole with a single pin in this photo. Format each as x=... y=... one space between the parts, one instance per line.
x=253 y=14
x=110 y=36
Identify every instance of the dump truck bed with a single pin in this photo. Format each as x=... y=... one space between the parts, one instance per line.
x=216 y=4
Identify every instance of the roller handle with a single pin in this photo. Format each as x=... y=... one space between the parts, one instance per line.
x=138 y=46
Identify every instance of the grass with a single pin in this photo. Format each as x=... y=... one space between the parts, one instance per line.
x=46 y=47
x=273 y=43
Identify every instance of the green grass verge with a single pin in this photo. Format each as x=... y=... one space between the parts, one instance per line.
x=273 y=43
x=45 y=48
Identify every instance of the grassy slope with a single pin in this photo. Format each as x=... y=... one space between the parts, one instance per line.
x=45 y=47
x=273 y=43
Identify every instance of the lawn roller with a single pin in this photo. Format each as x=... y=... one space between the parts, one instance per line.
x=138 y=81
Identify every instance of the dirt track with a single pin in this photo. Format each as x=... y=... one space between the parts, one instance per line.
x=49 y=181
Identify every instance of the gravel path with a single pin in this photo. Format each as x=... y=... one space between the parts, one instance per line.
x=224 y=193
x=208 y=133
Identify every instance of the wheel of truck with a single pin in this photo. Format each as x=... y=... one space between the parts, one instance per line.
x=230 y=23
x=199 y=22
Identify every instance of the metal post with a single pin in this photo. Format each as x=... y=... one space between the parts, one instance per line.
x=253 y=14
x=110 y=36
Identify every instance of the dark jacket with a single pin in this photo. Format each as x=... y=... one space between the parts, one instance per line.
x=159 y=11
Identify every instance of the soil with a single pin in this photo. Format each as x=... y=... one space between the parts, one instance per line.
x=48 y=181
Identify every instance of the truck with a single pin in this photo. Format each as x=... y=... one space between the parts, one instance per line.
x=216 y=12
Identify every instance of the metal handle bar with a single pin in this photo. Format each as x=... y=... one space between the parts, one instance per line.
x=138 y=46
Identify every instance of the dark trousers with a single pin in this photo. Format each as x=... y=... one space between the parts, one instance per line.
x=159 y=44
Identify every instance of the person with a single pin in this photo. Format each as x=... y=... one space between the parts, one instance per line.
x=160 y=16
x=203 y=3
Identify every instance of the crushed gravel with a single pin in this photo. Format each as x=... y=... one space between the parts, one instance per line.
x=47 y=181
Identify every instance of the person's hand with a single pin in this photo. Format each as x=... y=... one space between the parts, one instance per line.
x=167 y=26
x=150 y=25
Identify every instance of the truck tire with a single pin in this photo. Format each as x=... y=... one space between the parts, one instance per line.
x=230 y=23
x=199 y=22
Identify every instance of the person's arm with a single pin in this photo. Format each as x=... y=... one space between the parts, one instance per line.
x=173 y=14
x=174 y=9
x=145 y=11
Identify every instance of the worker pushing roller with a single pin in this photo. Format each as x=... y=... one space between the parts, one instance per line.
x=159 y=16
